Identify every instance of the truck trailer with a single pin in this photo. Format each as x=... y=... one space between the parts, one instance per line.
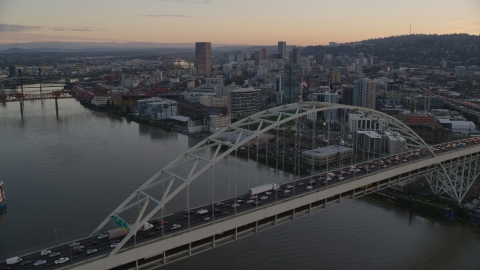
x=13 y=260
x=264 y=188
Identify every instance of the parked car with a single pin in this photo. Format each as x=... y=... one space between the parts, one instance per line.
x=45 y=252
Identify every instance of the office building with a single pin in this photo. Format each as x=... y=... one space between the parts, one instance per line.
x=327 y=155
x=358 y=122
x=395 y=142
x=243 y=102
x=364 y=93
x=12 y=71
x=282 y=48
x=239 y=57
x=335 y=78
x=263 y=54
x=218 y=122
x=347 y=94
x=295 y=55
x=203 y=58
x=329 y=115
x=460 y=71
x=369 y=141
x=291 y=83
x=157 y=108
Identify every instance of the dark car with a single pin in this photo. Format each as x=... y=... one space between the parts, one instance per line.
x=226 y=205
x=153 y=221
x=94 y=243
x=25 y=263
x=150 y=234
x=78 y=251
x=6 y=268
x=217 y=210
x=224 y=213
x=183 y=217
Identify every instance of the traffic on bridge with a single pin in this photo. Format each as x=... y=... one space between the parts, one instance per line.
x=277 y=138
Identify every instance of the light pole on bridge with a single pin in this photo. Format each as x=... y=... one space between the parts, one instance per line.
x=56 y=241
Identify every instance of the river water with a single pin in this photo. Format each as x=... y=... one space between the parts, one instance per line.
x=64 y=176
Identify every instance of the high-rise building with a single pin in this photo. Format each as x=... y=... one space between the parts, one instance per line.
x=239 y=57
x=329 y=115
x=263 y=54
x=364 y=93
x=291 y=83
x=295 y=56
x=443 y=63
x=12 y=71
x=243 y=102
x=347 y=94
x=460 y=71
x=335 y=78
x=282 y=48
x=203 y=58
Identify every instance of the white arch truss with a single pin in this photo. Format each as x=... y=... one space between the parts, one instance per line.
x=243 y=131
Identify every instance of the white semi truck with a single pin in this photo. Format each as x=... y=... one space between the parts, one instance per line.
x=13 y=260
x=264 y=188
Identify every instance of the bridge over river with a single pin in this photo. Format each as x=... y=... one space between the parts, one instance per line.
x=282 y=138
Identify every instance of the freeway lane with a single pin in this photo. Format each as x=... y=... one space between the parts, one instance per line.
x=298 y=187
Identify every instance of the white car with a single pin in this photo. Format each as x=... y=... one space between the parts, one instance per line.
x=206 y=218
x=61 y=260
x=40 y=262
x=263 y=198
x=268 y=193
x=91 y=251
x=101 y=236
x=235 y=205
x=74 y=244
x=45 y=252
x=289 y=186
x=287 y=191
x=341 y=178
x=54 y=254
x=77 y=247
x=309 y=187
x=114 y=245
x=250 y=201
x=175 y=227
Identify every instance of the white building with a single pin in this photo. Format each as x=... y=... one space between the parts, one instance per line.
x=395 y=142
x=130 y=82
x=100 y=101
x=358 y=122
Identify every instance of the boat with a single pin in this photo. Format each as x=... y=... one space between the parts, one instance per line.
x=3 y=199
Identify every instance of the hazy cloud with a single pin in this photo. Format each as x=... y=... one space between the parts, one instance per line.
x=17 y=28
x=454 y=22
x=187 y=1
x=167 y=15
x=75 y=29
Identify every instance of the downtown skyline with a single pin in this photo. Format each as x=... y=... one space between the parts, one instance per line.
x=303 y=22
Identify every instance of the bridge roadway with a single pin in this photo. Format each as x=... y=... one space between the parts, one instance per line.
x=199 y=229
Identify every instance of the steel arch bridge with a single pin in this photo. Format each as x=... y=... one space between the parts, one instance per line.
x=260 y=128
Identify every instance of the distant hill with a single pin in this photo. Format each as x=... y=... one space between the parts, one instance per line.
x=417 y=37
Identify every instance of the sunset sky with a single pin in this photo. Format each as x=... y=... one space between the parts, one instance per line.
x=300 y=22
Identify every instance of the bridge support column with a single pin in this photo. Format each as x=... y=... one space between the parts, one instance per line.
x=236 y=233
x=325 y=203
x=164 y=258
x=276 y=219
x=56 y=106
x=293 y=214
x=457 y=179
x=256 y=226
x=189 y=249
x=310 y=208
x=136 y=264
x=214 y=240
x=340 y=198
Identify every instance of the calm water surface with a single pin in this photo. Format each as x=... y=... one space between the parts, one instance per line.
x=65 y=176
